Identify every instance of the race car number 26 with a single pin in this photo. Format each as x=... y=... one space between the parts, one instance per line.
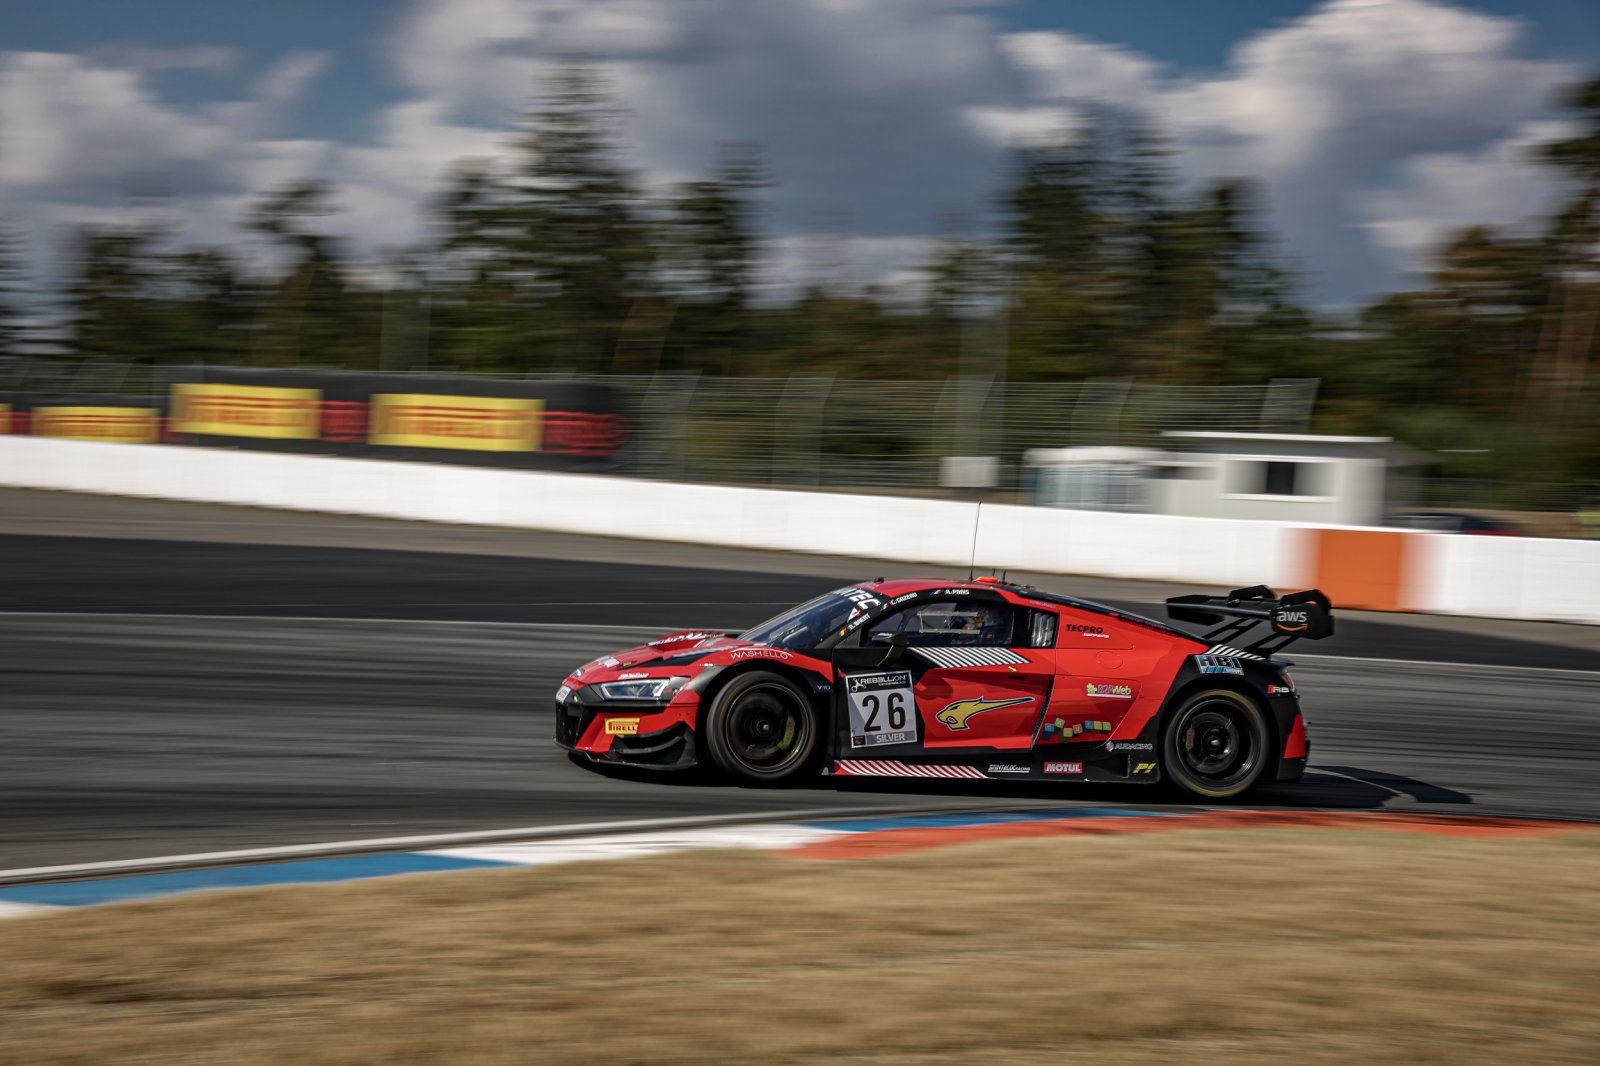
x=882 y=710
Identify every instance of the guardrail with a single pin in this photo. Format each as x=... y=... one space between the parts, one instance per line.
x=1503 y=577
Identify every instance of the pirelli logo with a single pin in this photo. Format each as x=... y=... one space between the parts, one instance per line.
x=473 y=423
x=622 y=727
x=116 y=425
x=246 y=411
x=5 y=418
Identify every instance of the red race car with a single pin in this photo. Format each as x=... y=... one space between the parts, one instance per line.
x=979 y=680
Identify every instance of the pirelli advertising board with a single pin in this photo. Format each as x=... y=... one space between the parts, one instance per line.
x=113 y=425
x=109 y=419
x=246 y=411
x=471 y=423
x=438 y=418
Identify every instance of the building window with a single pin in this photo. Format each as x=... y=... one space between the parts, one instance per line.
x=1281 y=479
x=1278 y=479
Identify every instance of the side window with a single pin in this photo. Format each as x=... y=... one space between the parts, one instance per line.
x=1041 y=630
x=959 y=623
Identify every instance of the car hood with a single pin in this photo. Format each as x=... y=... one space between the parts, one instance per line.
x=669 y=653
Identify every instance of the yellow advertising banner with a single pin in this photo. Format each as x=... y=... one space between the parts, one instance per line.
x=246 y=411
x=476 y=423
x=5 y=418
x=118 y=425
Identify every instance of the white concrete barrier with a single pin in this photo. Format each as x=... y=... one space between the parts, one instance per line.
x=1510 y=577
x=1205 y=551
x=1503 y=577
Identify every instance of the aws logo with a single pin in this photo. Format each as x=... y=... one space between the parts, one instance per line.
x=1290 y=621
x=957 y=714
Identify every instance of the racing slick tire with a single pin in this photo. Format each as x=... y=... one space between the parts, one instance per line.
x=1217 y=744
x=762 y=729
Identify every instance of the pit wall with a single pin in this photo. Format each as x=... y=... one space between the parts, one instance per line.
x=1497 y=577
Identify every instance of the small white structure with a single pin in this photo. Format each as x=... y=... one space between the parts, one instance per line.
x=1091 y=478
x=969 y=471
x=1285 y=477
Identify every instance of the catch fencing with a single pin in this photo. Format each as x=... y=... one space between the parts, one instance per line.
x=806 y=429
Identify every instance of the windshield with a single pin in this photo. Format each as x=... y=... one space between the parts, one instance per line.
x=807 y=625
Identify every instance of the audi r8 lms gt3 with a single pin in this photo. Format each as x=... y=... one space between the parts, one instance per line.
x=980 y=680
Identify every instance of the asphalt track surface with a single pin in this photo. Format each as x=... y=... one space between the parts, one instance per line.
x=162 y=695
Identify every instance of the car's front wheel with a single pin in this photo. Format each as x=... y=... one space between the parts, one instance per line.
x=1217 y=744
x=762 y=729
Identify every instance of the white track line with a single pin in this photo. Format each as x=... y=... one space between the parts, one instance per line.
x=1320 y=659
x=774 y=836
x=175 y=616
x=570 y=627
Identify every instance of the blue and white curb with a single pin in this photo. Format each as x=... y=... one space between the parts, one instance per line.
x=30 y=899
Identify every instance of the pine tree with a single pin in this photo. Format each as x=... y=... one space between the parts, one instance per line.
x=711 y=250
x=309 y=316
x=581 y=246
x=13 y=294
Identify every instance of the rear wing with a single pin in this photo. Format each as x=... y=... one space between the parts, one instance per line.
x=1291 y=616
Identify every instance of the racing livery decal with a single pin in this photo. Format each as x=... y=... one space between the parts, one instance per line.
x=954 y=657
x=890 y=768
x=956 y=715
x=1057 y=729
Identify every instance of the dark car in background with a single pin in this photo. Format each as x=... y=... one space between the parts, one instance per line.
x=1450 y=522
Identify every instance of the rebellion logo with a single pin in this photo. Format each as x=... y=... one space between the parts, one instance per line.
x=956 y=715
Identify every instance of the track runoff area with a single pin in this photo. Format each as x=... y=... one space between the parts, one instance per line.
x=209 y=698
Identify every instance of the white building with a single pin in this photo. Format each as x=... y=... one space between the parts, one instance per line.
x=1286 y=477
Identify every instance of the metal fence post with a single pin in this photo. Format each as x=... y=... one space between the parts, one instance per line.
x=800 y=412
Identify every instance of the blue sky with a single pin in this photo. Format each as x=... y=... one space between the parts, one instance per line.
x=1373 y=125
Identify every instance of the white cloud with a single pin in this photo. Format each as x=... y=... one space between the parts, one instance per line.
x=1061 y=66
x=1446 y=191
x=1371 y=123
x=1023 y=126
x=210 y=58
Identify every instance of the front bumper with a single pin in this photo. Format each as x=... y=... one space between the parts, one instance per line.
x=654 y=735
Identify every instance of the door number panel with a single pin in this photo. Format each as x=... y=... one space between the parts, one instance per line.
x=882 y=709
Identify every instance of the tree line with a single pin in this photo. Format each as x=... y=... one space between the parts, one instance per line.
x=553 y=259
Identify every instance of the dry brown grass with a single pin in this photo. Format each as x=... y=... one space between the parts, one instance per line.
x=1211 y=947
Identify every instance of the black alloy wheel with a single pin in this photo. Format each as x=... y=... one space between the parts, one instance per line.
x=1217 y=744
x=762 y=729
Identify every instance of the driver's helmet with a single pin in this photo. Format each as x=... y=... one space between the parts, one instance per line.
x=981 y=623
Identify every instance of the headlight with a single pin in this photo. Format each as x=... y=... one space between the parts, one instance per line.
x=654 y=689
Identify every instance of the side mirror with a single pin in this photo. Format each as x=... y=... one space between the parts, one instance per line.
x=893 y=644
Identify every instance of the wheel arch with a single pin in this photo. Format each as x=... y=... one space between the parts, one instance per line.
x=1232 y=683
x=721 y=676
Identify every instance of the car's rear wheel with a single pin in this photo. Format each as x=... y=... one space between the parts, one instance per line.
x=1217 y=744
x=762 y=728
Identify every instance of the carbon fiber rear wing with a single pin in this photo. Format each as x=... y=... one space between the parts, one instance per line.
x=1291 y=616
